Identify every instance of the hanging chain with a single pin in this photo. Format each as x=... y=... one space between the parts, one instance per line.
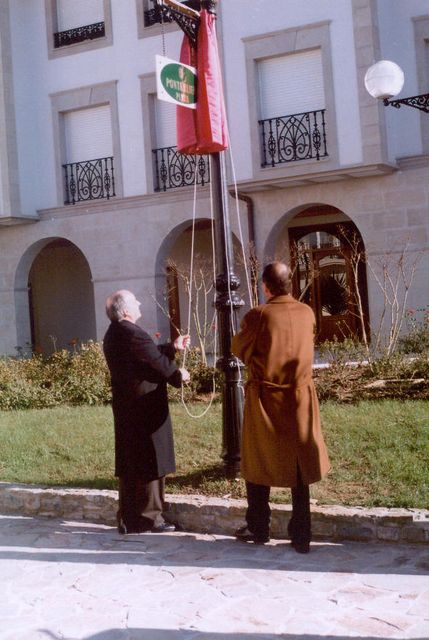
x=163 y=33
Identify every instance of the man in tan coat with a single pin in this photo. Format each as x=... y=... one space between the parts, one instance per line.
x=282 y=443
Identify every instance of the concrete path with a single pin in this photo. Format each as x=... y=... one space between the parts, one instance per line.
x=82 y=581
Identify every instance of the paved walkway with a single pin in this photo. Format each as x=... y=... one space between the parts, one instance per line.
x=82 y=581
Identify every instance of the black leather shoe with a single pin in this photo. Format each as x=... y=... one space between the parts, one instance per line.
x=165 y=527
x=124 y=530
x=245 y=535
x=301 y=547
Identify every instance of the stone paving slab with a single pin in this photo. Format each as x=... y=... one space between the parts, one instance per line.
x=75 y=580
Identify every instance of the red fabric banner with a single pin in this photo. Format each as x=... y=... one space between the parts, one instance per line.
x=204 y=129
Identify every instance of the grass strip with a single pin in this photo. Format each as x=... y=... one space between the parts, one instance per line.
x=379 y=452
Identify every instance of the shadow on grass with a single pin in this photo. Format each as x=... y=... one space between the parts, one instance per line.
x=195 y=479
x=86 y=483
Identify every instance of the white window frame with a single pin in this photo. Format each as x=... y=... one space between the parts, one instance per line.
x=78 y=47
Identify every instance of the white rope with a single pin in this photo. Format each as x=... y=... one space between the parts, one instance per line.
x=224 y=193
x=245 y=262
x=191 y=276
x=225 y=205
x=191 y=268
x=225 y=196
x=240 y=228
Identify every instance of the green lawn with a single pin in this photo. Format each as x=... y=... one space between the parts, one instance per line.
x=379 y=452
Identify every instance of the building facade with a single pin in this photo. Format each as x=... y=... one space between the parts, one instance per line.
x=94 y=197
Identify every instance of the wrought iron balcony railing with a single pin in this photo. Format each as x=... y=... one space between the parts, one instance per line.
x=80 y=34
x=89 y=180
x=173 y=169
x=300 y=136
x=153 y=16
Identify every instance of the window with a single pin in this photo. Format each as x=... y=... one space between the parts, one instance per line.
x=147 y=18
x=291 y=84
x=170 y=168
x=89 y=169
x=421 y=38
x=88 y=134
x=78 y=13
x=165 y=123
x=77 y=25
x=292 y=108
x=173 y=169
x=87 y=145
x=291 y=100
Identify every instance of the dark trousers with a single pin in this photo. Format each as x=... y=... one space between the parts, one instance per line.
x=140 y=503
x=258 y=513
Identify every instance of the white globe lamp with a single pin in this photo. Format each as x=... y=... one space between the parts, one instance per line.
x=384 y=79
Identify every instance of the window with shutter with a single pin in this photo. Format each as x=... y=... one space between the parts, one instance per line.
x=89 y=170
x=292 y=107
x=88 y=134
x=74 y=26
x=78 y=13
x=291 y=84
x=165 y=124
x=291 y=100
x=421 y=39
x=172 y=169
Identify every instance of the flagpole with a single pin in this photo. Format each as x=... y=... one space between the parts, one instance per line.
x=227 y=300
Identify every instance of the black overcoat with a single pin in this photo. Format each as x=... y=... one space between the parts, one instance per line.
x=140 y=371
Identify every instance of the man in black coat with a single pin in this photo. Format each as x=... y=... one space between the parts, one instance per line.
x=144 y=447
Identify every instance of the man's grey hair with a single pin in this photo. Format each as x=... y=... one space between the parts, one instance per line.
x=117 y=304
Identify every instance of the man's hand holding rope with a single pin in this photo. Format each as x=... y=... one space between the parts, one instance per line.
x=181 y=343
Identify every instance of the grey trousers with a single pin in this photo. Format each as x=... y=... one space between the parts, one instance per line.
x=140 y=503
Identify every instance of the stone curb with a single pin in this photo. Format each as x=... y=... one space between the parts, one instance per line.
x=220 y=515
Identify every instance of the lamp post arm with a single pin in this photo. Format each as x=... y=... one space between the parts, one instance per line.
x=418 y=102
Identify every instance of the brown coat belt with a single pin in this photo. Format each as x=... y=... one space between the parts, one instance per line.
x=277 y=387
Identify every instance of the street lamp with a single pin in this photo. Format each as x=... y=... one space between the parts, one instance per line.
x=385 y=79
x=227 y=300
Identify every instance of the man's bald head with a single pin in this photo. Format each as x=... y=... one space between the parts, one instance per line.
x=277 y=277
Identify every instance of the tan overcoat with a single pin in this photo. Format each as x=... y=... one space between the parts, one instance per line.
x=281 y=427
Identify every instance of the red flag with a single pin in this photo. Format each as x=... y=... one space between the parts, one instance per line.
x=204 y=129
x=186 y=127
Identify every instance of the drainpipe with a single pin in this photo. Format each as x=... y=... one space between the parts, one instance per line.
x=252 y=240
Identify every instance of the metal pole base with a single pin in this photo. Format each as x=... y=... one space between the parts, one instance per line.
x=232 y=412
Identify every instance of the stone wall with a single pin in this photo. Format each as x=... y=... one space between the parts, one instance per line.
x=221 y=516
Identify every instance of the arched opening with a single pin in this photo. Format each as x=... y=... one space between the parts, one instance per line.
x=175 y=291
x=60 y=297
x=328 y=262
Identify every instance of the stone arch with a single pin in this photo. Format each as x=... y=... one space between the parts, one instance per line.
x=277 y=243
x=176 y=246
x=54 y=297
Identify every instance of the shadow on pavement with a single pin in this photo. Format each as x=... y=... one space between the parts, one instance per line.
x=45 y=540
x=183 y=634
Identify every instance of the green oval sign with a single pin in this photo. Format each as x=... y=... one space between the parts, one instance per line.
x=179 y=82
